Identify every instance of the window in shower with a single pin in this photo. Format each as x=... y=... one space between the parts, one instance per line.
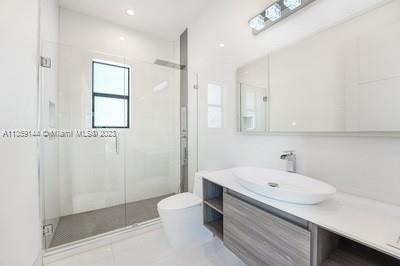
x=110 y=94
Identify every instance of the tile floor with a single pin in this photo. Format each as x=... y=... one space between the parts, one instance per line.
x=82 y=225
x=152 y=248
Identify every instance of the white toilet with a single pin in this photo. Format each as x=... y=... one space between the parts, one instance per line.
x=182 y=217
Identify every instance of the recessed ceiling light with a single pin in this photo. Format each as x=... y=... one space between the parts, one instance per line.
x=221 y=45
x=130 y=12
x=122 y=38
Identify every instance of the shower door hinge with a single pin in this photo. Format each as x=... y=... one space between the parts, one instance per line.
x=196 y=87
x=265 y=99
x=45 y=62
x=47 y=229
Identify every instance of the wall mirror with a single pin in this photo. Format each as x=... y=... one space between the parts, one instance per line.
x=345 y=79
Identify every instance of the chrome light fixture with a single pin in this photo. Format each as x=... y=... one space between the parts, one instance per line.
x=275 y=13
x=292 y=4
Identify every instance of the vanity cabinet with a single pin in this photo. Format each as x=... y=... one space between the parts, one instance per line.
x=260 y=234
x=261 y=238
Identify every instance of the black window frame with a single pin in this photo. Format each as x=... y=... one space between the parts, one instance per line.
x=110 y=95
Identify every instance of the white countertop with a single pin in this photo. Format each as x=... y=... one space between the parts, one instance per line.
x=367 y=221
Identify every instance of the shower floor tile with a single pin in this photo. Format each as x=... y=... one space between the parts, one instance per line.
x=82 y=225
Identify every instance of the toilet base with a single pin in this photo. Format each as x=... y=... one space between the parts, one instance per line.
x=185 y=227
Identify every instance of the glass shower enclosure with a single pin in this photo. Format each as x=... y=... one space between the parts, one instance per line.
x=110 y=144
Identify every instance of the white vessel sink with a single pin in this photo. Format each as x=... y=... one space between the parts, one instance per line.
x=283 y=186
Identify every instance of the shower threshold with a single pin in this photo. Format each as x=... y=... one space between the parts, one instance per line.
x=87 y=224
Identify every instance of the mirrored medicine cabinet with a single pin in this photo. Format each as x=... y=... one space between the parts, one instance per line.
x=345 y=79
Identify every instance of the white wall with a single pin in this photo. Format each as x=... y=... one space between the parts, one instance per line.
x=20 y=233
x=92 y=175
x=98 y=35
x=361 y=165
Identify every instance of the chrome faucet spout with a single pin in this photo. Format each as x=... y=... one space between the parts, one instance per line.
x=290 y=157
x=284 y=156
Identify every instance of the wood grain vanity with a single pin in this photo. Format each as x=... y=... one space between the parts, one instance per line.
x=263 y=235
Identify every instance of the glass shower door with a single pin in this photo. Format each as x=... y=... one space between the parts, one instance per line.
x=82 y=150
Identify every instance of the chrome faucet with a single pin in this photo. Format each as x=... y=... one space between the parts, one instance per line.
x=290 y=156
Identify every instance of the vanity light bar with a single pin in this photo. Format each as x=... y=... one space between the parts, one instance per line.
x=275 y=13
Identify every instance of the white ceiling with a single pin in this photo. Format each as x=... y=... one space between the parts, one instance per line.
x=164 y=18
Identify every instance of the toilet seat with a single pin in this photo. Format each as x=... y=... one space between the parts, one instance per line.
x=180 y=201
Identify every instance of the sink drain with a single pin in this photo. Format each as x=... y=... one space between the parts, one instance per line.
x=272 y=184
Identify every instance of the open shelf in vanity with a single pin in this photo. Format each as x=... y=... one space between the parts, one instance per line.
x=336 y=250
x=213 y=207
x=260 y=234
x=215 y=203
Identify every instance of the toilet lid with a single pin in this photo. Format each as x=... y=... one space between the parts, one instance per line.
x=179 y=201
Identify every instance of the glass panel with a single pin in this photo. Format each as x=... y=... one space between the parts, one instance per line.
x=153 y=171
x=110 y=77
x=214 y=117
x=193 y=98
x=214 y=94
x=110 y=112
x=49 y=147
